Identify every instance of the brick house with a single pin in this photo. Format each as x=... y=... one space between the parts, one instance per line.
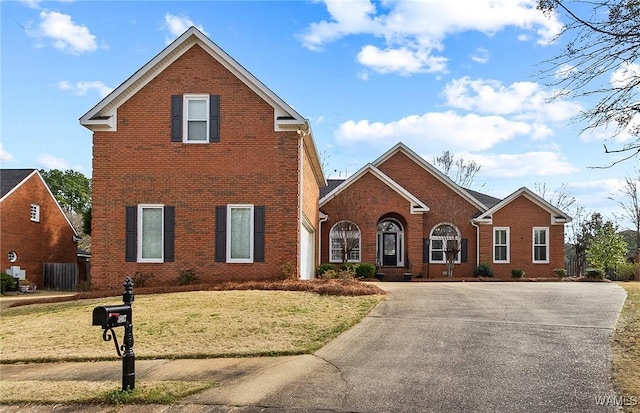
x=197 y=164
x=34 y=228
x=415 y=214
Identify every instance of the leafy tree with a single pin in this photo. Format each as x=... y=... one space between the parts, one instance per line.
x=71 y=189
x=607 y=248
x=599 y=63
x=461 y=171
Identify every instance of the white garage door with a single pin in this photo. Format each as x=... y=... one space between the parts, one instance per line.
x=307 y=247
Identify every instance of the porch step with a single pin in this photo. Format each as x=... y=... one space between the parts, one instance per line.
x=393 y=273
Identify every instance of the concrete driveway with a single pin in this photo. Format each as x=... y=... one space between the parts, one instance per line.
x=454 y=347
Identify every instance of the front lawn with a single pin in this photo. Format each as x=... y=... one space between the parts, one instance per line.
x=195 y=324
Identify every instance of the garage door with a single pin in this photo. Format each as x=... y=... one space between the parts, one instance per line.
x=307 y=247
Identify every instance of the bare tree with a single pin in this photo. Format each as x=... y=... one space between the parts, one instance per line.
x=630 y=205
x=456 y=217
x=599 y=63
x=461 y=171
x=353 y=207
x=561 y=197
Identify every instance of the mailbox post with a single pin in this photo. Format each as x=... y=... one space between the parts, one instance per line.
x=112 y=316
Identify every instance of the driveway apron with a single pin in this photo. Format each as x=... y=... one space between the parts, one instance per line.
x=461 y=347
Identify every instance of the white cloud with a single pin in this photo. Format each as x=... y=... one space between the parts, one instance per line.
x=65 y=33
x=522 y=100
x=82 y=88
x=523 y=164
x=564 y=71
x=5 y=157
x=411 y=32
x=625 y=75
x=443 y=129
x=480 y=55
x=47 y=161
x=176 y=25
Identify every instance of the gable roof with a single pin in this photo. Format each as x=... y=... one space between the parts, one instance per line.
x=12 y=179
x=401 y=147
x=417 y=206
x=331 y=185
x=103 y=116
x=557 y=216
x=488 y=200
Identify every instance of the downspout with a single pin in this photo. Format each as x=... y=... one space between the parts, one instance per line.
x=473 y=222
x=323 y=218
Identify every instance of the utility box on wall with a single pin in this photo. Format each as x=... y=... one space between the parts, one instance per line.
x=16 y=272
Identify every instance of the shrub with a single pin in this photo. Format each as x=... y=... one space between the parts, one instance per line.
x=187 y=276
x=626 y=271
x=483 y=270
x=322 y=268
x=346 y=273
x=140 y=279
x=594 y=273
x=560 y=272
x=517 y=273
x=287 y=271
x=7 y=283
x=366 y=270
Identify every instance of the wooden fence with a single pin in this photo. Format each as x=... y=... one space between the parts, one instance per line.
x=60 y=276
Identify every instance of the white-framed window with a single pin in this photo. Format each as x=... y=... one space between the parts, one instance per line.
x=540 y=245
x=240 y=233
x=444 y=236
x=12 y=256
x=501 y=245
x=345 y=239
x=150 y=233
x=196 y=119
x=34 y=212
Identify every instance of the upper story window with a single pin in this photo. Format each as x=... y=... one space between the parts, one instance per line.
x=196 y=119
x=35 y=212
x=541 y=245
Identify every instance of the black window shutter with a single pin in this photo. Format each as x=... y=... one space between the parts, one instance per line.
x=425 y=250
x=214 y=118
x=176 y=118
x=221 y=234
x=258 y=234
x=131 y=226
x=463 y=250
x=169 y=233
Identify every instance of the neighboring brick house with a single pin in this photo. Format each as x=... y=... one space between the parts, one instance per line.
x=34 y=229
x=414 y=212
x=198 y=165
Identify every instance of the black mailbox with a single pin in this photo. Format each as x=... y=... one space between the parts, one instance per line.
x=110 y=316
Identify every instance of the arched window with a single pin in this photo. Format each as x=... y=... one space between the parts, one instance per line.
x=345 y=242
x=444 y=237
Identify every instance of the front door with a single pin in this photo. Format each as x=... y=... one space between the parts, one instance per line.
x=389 y=245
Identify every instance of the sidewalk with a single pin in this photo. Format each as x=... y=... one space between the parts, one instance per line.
x=241 y=381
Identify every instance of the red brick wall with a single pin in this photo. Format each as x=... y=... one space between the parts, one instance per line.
x=445 y=206
x=50 y=240
x=521 y=215
x=381 y=200
x=138 y=164
x=310 y=194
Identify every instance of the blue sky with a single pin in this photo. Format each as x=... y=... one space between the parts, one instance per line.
x=437 y=75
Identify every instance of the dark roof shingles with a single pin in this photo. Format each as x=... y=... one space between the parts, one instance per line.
x=9 y=178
